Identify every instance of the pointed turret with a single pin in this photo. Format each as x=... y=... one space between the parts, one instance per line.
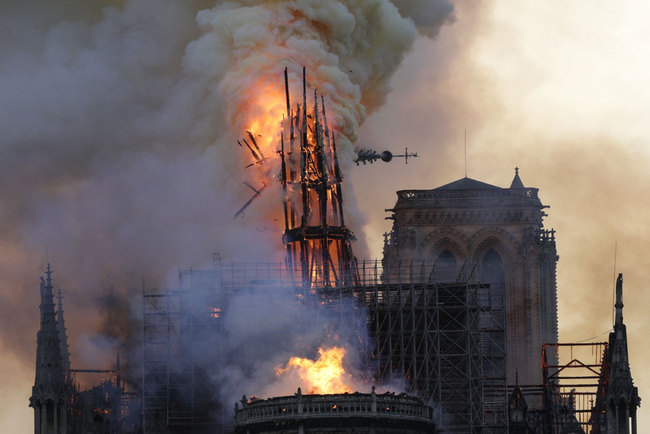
x=63 y=338
x=50 y=392
x=622 y=397
x=516 y=181
x=571 y=425
x=517 y=408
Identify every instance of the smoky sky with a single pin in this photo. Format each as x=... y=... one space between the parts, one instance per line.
x=118 y=156
x=559 y=91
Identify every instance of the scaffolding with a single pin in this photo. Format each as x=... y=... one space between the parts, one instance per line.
x=181 y=338
x=445 y=338
x=443 y=331
x=571 y=388
x=106 y=408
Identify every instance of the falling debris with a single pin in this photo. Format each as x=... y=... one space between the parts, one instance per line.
x=257 y=191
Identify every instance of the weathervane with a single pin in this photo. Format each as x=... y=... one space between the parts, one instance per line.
x=370 y=156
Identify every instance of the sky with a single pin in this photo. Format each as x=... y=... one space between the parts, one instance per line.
x=556 y=88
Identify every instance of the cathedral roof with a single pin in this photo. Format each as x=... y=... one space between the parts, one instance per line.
x=467 y=184
x=467 y=193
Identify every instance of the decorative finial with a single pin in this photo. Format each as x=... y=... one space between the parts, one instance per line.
x=49 y=275
x=619 y=301
x=516 y=181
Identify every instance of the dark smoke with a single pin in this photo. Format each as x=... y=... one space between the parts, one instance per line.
x=117 y=157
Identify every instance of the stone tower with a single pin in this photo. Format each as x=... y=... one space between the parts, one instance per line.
x=498 y=235
x=622 y=396
x=51 y=391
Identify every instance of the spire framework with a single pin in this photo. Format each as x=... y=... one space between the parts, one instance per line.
x=318 y=244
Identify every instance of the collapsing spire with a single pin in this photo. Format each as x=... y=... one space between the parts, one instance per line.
x=317 y=241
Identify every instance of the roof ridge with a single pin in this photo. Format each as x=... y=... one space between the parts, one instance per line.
x=467 y=184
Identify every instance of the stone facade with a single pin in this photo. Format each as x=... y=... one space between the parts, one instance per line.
x=499 y=236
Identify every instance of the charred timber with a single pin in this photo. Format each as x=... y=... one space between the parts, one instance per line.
x=318 y=245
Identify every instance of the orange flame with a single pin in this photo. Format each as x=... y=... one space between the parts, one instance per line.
x=324 y=375
x=261 y=113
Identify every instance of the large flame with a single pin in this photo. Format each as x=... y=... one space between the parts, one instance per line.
x=322 y=376
x=261 y=113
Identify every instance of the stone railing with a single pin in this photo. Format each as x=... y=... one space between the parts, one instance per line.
x=299 y=406
x=420 y=195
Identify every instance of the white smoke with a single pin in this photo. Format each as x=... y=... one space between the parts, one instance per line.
x=350 y=48
x=118 y=154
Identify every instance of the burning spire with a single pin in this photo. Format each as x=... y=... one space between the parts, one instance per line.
x=318 y=244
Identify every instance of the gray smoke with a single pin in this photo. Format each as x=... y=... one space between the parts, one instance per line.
x=119 y=122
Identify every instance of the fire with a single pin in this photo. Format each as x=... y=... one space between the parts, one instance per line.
x=258 y=115
x=324 y=375
x=261 y=114
x=317 y=242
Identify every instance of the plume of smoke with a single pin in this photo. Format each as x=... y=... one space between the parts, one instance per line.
x=118 y=122
x=260 y=329
x=350 y=47
x=264 y=329
x=428 y=16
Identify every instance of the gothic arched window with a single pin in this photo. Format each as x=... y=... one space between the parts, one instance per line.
x=492 y=268
x=446 y=259
x=445 y=267
x=493 y=274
